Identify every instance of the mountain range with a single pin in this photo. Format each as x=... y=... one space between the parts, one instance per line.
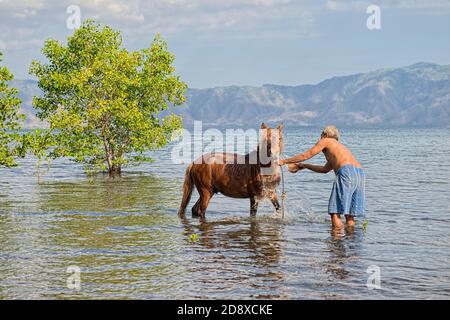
x=416 y=95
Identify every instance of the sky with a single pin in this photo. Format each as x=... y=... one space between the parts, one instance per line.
x=245 y=42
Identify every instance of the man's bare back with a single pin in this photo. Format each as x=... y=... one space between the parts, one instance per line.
x=337 y=154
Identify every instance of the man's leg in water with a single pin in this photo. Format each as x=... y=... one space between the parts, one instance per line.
x=350 y=220
x=336 y=220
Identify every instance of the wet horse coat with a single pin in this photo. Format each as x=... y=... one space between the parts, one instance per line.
x=254 y=175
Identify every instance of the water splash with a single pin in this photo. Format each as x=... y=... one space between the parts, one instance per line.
x=300 y=209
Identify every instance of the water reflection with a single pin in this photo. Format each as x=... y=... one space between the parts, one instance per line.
x=343 y=246
x=260 y=239
x=5 y=200
x=95 y=227
x=243 y=251
x=104 y=194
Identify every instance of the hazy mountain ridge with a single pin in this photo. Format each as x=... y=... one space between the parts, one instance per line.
x=416 y=95
x=27 y=90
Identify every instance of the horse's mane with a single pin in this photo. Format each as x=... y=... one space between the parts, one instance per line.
x=249 y=168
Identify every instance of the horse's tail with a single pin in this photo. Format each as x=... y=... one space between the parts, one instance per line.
x=187 y=190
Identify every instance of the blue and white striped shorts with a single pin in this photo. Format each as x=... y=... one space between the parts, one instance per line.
x=348 y=194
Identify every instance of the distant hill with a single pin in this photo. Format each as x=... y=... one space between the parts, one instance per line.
x=27 y=90
x=416 y=95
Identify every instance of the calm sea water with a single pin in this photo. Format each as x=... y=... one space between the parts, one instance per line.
x=125 y=236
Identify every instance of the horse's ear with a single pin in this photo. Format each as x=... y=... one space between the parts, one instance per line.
x=263 y=126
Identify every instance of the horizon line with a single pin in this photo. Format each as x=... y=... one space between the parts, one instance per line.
x=299 y=85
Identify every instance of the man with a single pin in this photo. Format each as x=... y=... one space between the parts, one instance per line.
x=347 y=196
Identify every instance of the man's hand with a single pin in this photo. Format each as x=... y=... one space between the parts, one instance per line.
x=294 y=167
x=281 y=162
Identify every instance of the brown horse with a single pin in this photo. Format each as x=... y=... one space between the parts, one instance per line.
x=254 y=175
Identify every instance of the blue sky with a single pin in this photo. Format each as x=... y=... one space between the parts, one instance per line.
x=246 y=42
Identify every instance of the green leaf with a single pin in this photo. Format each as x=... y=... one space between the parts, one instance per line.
x=10 y=119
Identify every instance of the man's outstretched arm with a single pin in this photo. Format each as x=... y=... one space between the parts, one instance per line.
x=319 y=169
x=320 y=145
x=294 y=167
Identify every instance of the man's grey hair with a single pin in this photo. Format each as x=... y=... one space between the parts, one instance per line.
x=330 y=132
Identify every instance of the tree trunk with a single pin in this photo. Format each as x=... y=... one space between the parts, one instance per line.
x=115 y=170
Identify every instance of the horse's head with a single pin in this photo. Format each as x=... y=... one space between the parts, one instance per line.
x=271 y=141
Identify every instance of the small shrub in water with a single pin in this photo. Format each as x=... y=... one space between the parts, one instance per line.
x=193 y=237
x=364 y=225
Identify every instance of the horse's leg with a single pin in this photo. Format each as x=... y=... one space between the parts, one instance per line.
x=195 y=209
x=205 y=196
x=253 y=206
x=200 y=206
x=274 y=200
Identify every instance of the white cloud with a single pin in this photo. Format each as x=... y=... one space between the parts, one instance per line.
x=339 y=5
x=251 y=17
x=432 y=6
x=38 y=19
x=419 y=4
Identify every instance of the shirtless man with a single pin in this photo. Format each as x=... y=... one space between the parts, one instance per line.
x=347 y=196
